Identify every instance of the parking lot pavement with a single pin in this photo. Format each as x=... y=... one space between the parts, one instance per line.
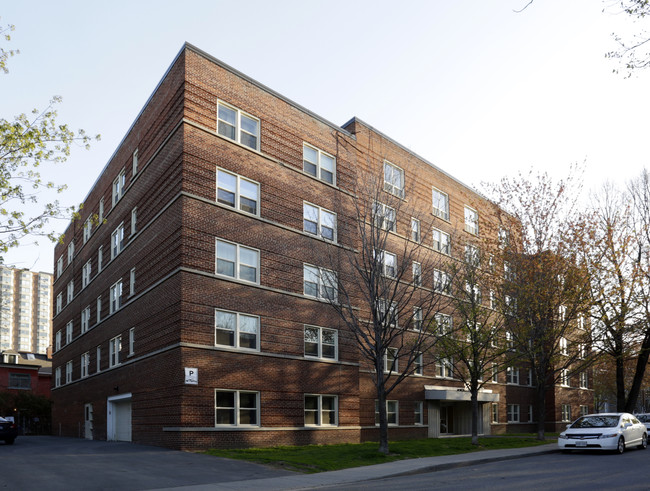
x=56 y=463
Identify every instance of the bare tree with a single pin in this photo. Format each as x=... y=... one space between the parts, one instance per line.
x=386 y=297
x=633 y=52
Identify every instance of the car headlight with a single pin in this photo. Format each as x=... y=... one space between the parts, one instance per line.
x=562 y=436
x=608 y=435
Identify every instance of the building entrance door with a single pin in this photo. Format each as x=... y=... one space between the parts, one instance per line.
x=446 y=419
x=88 y=421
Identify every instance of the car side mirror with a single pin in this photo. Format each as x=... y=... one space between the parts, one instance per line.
x=626 y=425
x=568 y=426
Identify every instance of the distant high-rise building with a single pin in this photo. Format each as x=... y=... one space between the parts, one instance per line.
x=25 y=310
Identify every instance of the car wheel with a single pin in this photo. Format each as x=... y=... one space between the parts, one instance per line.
x=10 y=441
x=644 y=442
x=620 y=448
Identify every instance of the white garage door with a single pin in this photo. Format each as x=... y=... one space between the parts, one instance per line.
x=119 y=418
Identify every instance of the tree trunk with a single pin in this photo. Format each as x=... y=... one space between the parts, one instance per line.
x=541 y=411
x=620 y=383
x=474 y=399
x=381 y=401
x=641 y=363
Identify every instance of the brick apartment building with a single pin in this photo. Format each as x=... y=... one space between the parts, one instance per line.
x=189 y=310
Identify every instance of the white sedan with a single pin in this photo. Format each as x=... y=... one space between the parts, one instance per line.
x=606 y=431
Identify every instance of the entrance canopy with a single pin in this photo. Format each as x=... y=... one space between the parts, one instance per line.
x=440 y=393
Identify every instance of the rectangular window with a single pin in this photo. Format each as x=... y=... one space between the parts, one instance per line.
x=57 y=341
x=321 y=342
x=99 y=359
x=418 y=413
x=388 y=262
x=59 y=302
x=393 y=179
x=118 y=187
x=236 y=408
x=443 y=323
x=564 y=347
x=85 y=319
x=100 y=218
x=529 y=377
x=320 y=283
x=504 y=238
x=115 y=301
x=584 y=380
x=99 y=309
x=561 y=313
x=70 y=291
x=417 y=363
x=238 y=192
x=513 y=413
x=472 y=255
x=68 y=372
x=384 y=216
x=100 y=258
x=390 y=360
x=117 y=241
x=321 y=410
x=237 y=261
x=415 y=230
x=495 y=373
x=531 y=413
x=441 y=282
x=440 y=204
x=417 y=318
x=134 y=221
x=20 y=381
x=70 y=252
x=319 y=164
x=471 y=220
x=441 y=241
x=392 y=413
x=132 y=282
x=114 y=348
x=237 y=330
x=131 y=341
x=85 y=364
x=57 y=377
x=445 y=368
x=238 y=126
x=495 y=412
x=388 y=314
x=417 y=274
x=584 y=410
x=86 y=272
x=59 y=266
x=68 y=333
x=566 y=413
x=564 y=377
x=135 y=162
x=88 y=229
x=319 y=221
x=512 y=375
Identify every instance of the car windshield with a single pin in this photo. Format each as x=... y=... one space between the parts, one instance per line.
x=596 y=422
x=644 y=418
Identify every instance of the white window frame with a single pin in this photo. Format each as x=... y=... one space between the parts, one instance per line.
x=117 y=241
x=320 y=343
x=99 y=309
x=565 y=413
x=325 y=278
x=88 y=229
x=321 y=171
x=319 y=411
x=320 y=213
x=236 y=331
x=85 y=320
x=86 y=273
x=513 y=413
x=495 y=373
x=391 y=360
x=59 y=303
x=237 y=408
x=134 y=168
x=445 y=368
x=100 y=258
x=584 y=380
x=70 y=295
x=564 y=377
x=68 y=372
x=132 y=282
x=416 y=234
x=440 y=198
x=119 y=184
x=512 y=376
x=385 y=258
x=70 y=252
x=472 y=255
x=100 y=213
x=392 y=407
x=131 y=341
x=114 y=348
x=57 y=340
x=418 y=321
x=382 y=214
x=441 y=282
x=471 y=220
x=531 y=413
x=441 y=241
x=237 y=193
x=495 y=412
x=237 y=264
x=418 y=365
x=85 y=364
x=57 y=377
x=388 y=311
x=134 y=220
x=390 y=186
x=564 y=346
x=584 y=410
x=68 y=332
x=418 y=413
x=417 y=273
x=98 y=358
x=444 y=323
x=238 y=126
x=115 y=299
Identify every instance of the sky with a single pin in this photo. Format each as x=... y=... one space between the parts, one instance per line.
x=475 y=88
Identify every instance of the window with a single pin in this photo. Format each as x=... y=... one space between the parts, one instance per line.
x=131 y=341
x=440 y=204
x=418 y=414
x=513 y=413
x=387 y=313
x=321 y=410
x=564 y=377
x=566 y=413
x=237 y=261
x=236 y=330
x=390 y=360
x=495 y=373
x=70 y=252
x=444 y=323
x=504 y=238
x=581 y=321
x=70 y=291
x=417 y=363
x=445 y=368
x=417 y=274
x=115 y=301
x=57 y=377
x=101 y=211
x=510 y=341
x=393 y=179
x=388 y=263
x=236 y=408
x=99 y=309
x=473 y=292
x=441 y=282
x=236 y=125
x=57 y=342
x=472 y=255
x=238 y=192
x=495 y=412
x=531 y=413
x=471 y=220
x=134 y=221
x=584 y=410
x=320 y=283
x=132 y=282
x=68 y=333
x=100 y=257
x=68 y=372
x=59 y=302
x=417 y=318
x=319 y=221
x=118 y=187
x=512 y=375
x=114 y=348
x=135 y=162
x=582 y=351
x=85 y=319
x=441 y=241
x=392 y=412
x=561 y=313
x=20 y=381
x=584 y=380
x=99 y=359
x=86 y=271
x=507 y=271
x=88 y=229
x=117 y=241
x=85 y=364
x=321 y=342
x=59 y=266
x=415 y=230
x=318 y=164
x=564 y=348
x=384 y=216
x=529 y=377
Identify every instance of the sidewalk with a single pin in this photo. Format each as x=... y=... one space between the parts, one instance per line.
x=379 y=471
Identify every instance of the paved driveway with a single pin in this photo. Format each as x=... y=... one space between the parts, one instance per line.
x=55 y=463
